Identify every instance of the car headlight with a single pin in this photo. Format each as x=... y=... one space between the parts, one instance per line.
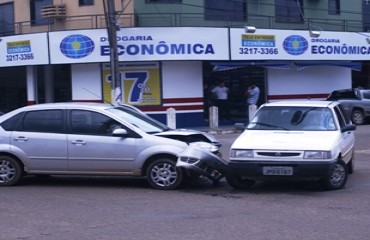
x=204 y=145
x=317 y=155
x=239 y=153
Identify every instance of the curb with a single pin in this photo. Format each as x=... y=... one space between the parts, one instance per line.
x=222 y=131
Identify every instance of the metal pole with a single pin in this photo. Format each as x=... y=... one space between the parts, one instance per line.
x=112 y=36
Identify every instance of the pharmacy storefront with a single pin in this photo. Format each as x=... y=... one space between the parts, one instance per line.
x=162 y=68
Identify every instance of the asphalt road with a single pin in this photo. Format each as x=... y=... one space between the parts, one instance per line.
x=89 y=208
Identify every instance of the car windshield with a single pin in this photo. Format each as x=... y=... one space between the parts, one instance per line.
x=139 y=119
x=293 y=118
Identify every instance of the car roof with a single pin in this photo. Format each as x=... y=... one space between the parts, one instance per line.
x=301 y=103
x=89 y=105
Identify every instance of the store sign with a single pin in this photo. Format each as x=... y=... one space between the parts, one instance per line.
x=268 y=44
x=21 y=50
x=140 y=82
x=140 y=44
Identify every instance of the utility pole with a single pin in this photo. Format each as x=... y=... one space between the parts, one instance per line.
x=112 y=28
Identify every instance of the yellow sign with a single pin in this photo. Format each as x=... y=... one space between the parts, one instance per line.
x=140 y=83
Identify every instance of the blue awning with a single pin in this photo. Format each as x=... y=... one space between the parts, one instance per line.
x=356 y=66
x=225 y=66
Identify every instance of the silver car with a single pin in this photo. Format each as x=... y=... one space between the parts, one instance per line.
x=93 y=139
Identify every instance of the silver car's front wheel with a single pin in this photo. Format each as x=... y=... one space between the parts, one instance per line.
x=10 y=171
x=163 y=174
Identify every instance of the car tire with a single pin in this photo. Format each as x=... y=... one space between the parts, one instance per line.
x=357 y=117
x=337 y=177
x=238 y=182
x=10 y=171
x=164 y=175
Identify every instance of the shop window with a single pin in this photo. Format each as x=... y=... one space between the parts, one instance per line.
x=85 y=2
x=225 y=10
x=334 y=7
x=6 y=19
x=366 y=15
x=289 y=11
x=35 y=11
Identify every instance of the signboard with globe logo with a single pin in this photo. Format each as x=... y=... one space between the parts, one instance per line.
x=139 y=44
x=295 y=45
x=270 y=44
x=77 y=46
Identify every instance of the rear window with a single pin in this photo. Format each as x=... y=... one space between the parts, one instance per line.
x=366 y=94
x=342 y=95
x=50 y=121
x=11 y=123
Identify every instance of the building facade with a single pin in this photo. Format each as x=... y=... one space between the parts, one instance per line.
x=171 y=51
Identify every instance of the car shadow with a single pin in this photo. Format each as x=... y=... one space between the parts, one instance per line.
x=84 y=181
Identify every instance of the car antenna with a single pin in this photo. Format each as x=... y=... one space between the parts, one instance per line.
x=96 y=95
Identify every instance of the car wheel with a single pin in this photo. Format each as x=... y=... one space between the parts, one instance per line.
x=357 y=117
x=164 y=175
x=337 y=177
x=10 y=171
x=239 y=182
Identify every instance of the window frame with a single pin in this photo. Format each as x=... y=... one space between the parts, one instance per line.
x=83 y=3
x=334 y=7
x=290 y=8
x=6 y=22
x=222 y=10
x=35 y=12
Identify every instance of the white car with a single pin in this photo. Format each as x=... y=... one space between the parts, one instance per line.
x=308 y=140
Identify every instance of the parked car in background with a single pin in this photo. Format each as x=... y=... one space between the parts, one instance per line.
x=355 y=102
x=93 y=139
x=307 y=140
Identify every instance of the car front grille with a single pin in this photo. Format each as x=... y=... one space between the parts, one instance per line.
x=279 y=154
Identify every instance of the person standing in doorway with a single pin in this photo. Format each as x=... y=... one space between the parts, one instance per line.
x=220 y=93
x=252 y=93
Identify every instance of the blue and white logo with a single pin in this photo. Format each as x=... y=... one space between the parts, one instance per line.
x=77 y=46
x=295 y=45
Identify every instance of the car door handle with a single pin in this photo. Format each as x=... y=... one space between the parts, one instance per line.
x=79 y=142
x=21 y=139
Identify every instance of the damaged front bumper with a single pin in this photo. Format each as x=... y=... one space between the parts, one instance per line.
x=202 y=162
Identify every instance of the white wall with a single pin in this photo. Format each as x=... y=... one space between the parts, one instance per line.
x=182 y=79
x=86 y=82
x=315 y=80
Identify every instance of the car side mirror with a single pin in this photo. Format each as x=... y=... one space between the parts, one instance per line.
x=120 y=132
x=348 y=127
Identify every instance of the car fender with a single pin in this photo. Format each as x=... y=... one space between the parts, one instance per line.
x=16 y=152
x=158 y=150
